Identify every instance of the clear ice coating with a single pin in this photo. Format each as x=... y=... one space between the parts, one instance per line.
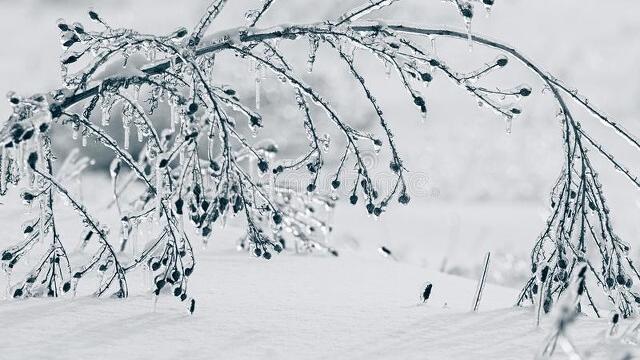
x=203 y=168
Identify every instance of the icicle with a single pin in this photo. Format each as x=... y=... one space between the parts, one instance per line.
x=467 y=23
x=314 y=42
x=3 y=169
x=126 y=136
x=508 y=122
x=432 y=40
x=84 y=140
x=105 y=115
x=258 y=80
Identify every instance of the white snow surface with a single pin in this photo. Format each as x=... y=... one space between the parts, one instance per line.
x=359 y=305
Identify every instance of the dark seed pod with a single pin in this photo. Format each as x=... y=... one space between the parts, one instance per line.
x=277 y=218
x=192 y=306
x=426 y=292
x=525 y=91
x=7 y=255
x=94 y=15
x=263 y=165
x=620 y=279
x=547 y=304
x=610 y=282
x=183 y=297
x=32 y=160
x=377 y=211
x=335 y=184
x=175 y=275
x=353 y=199
x=155 y=266
x=370 y=208
x=188 y=271
x=257 y=252
x=160 y=284
x=66 y=287
x=179 y=203
x=206 y=231
x=562 y=264
x=311 y=187
x=17 y=293
x=503 y=61
x=266 y=255
x=177 y=291
x=404 y=199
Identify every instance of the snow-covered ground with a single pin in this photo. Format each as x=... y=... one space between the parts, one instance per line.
x=359 y=305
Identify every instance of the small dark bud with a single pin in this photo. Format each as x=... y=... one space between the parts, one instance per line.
x=163 y=163
x=610 y=282
x=620 y=279
x=255 y=121
x=419 y=101
x=426 y=292
x=193 y=107
x=179 y=203
x=404 y=199
x=94 y=15
x=7 y=255
x=503 y=61
x=311 y=187
x=263 y=165
x=370 y=208
x=515 y=111
x=69 y=59
x=155 y=266
x=377 y=211
x=266 y=255
x=277 y=218
x=17 y=293
x=180 y=33
x=426 y=77
x=377 y=142
x=160 y=284
x=434 y=62
x=188 y=271
x=77 y=275
x=525 y=91
x=335 y=184
x=192 y=306
x=183 y=297
x=66 y=287
x=277 y=248
x=467 y=12
x=62 y=26
x=177 y=291
x=257 y=252
x=353 y=199
x=229 y=92
x=562 y=264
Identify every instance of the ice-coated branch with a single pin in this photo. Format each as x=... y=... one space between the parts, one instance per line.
x=202 y=169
